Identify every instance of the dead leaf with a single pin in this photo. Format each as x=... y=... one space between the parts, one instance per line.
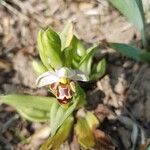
x=103 y=140
x=4 y=64
x=145 y=146
x=103 y=112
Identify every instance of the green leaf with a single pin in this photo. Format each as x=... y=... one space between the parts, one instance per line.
x=54 y=142
x=66 y=35
x=133 y=11
x=20 y=100
x=79 y=53
x=39 y=67
x=81 y=50
x=86 y=61
x=59 y=115
x=145 y=56
x=33 y=108
x=127 y=50
x=42 y=50
x=80 y=96
x=33 y=114
x=52 y=48
x=53 y=112
x=70 y=52
x=131 y=52
x=84 y=134
x=99 y=70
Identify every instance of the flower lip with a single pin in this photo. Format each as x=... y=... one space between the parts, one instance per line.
x=50 y=77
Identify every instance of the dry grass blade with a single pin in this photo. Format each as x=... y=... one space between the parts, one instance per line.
x=5 y=65
x=15 y=11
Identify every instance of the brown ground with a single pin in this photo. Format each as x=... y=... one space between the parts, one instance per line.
x=123 y=94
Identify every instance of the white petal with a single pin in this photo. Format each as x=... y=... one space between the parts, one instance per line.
x=66 y=72
x=80 y=76
x=47 y=78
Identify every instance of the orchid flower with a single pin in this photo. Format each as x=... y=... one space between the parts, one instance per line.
x=62 y=82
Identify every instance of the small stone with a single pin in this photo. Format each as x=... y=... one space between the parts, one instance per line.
x=121 y=86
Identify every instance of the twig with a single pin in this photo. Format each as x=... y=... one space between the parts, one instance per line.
x=9 y=146
x=15 y=11
x=8 y=123
x=136 y=79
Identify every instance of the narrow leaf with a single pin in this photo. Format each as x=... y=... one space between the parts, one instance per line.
x=134 y=136
x=133 y=11
x=127 y=50
x=145 y=56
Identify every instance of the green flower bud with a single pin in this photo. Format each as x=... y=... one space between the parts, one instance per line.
x=49 y=45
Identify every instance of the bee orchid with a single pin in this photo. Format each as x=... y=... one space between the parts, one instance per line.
x=62 y=82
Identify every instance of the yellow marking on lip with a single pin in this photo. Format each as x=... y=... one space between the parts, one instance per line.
x=63 y=80
x=72 y=86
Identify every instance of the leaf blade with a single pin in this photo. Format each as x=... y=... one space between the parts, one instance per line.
x=127 y=50
x=66 y=35
x=18 y=100
x=62 y=134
